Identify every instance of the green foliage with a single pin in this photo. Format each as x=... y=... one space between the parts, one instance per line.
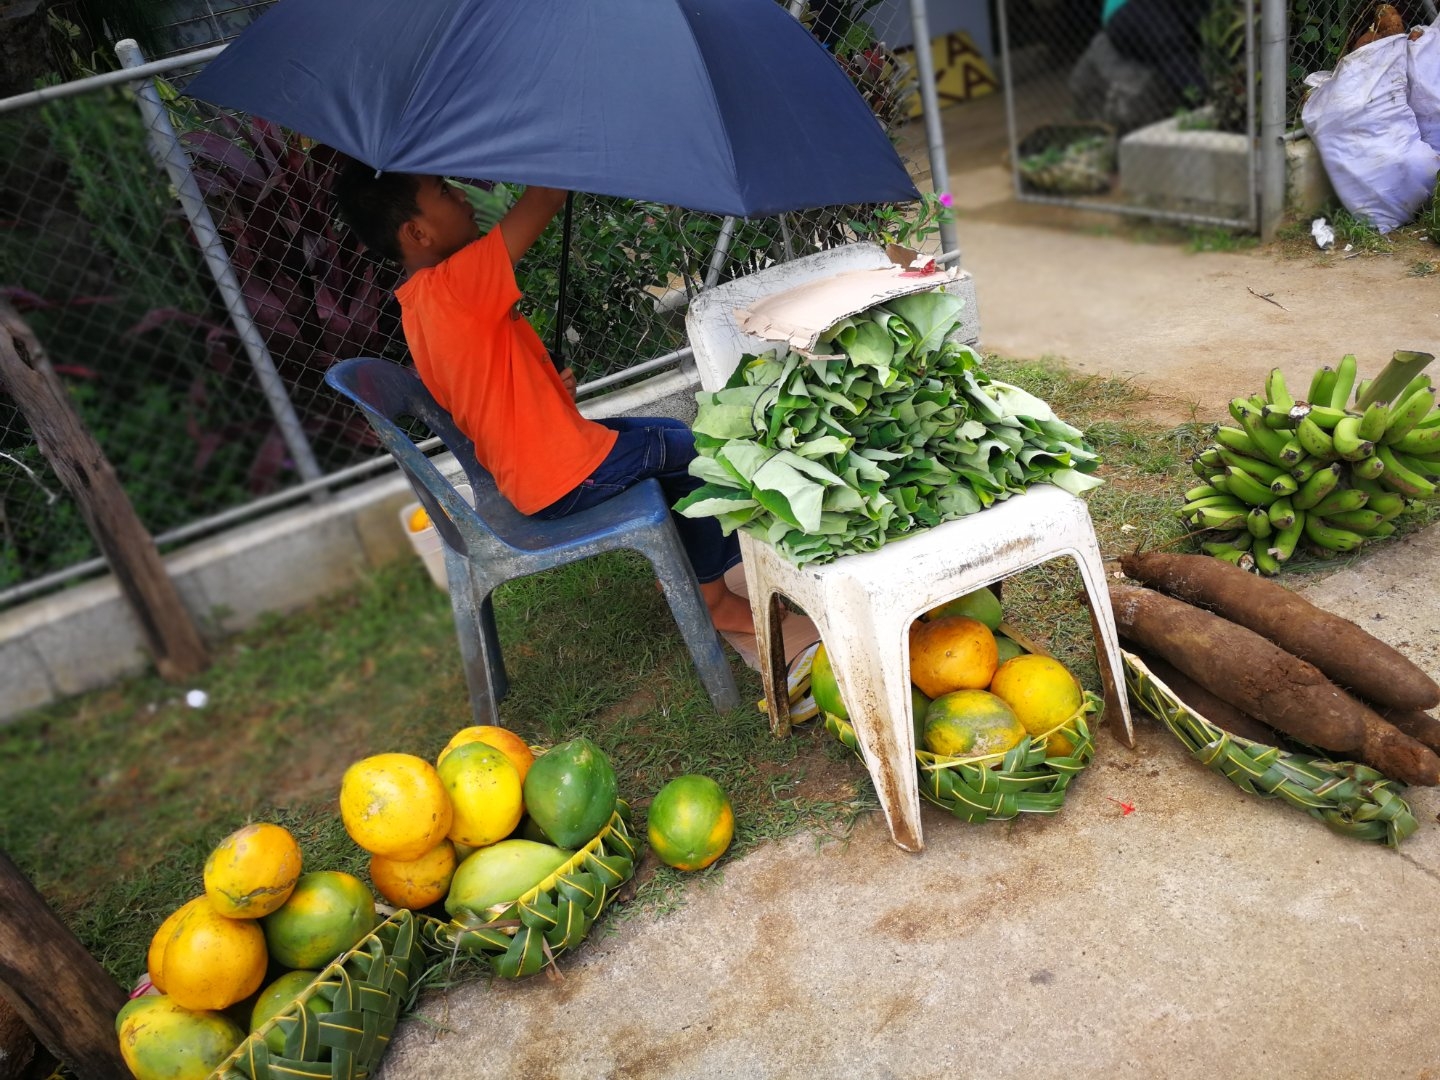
x=911 y=225
x=1320 y=31
x=1222 y=60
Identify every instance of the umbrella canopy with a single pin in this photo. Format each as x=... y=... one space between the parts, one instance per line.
x=723 y=106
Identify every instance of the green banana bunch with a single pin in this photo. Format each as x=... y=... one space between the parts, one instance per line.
x=1329 y=472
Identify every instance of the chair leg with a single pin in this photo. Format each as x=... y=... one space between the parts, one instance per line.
x=475 y=630
x=770 y=647
x=868 y=657
x=677 y=579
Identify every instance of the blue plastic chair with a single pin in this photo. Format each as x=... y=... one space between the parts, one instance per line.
x=493 y=542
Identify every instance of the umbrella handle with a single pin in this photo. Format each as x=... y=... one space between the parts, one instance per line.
x=557 y=352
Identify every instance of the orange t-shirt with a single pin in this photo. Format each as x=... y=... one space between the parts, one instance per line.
x=486 y=366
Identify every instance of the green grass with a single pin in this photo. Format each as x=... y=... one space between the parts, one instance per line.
x=111 y=801
x=1423 y=268
x=1217 y=238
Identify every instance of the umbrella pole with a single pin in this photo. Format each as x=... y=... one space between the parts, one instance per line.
x=557 y=352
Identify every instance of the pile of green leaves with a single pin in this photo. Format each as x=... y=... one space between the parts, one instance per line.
x=823 y=456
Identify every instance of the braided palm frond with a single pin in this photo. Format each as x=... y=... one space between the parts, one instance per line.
x=1351 y=798
x=1025 y=779
x=365 y=990
x=519 y=938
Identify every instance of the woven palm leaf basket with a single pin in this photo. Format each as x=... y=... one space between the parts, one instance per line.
x=1351 y=798
x=519 y=938
x=1029 y=778
x=363 y=992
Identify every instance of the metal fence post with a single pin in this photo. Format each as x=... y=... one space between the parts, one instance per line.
x=1273 y=63
x=172 y=155
x=930 y=100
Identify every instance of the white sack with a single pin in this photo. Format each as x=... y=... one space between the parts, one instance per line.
x=1423 y=71
x=1360 y=120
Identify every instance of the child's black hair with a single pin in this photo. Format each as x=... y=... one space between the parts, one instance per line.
x=376 y=206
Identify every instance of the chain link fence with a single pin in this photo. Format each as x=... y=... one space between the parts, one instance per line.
x=1142 y=106
x=192 y=314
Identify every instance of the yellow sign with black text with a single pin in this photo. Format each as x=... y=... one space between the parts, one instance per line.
x=961 y=70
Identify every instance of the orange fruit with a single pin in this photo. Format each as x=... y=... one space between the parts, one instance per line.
x=155 y=957
x=162 y=1040
x=485 y=789
x=419 y=520
x=1043 y=694
x=328 y=912
x=951 y=653
x=971 y=723
x=502 y=739
x=210 y=961
x=394 y=805
x=415 y=883
x=251 y=872
x=690 y=823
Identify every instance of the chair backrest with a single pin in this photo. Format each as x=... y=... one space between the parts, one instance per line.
x=718 y=342
x=387 y=393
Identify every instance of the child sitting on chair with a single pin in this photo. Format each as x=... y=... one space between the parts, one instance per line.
x=484 y=364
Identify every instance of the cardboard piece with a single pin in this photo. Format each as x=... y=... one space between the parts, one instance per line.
x=798 y=316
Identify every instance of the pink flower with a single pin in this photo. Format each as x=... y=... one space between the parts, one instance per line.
x=946 y=199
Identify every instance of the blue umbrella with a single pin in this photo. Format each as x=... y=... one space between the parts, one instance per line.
x=723 y=106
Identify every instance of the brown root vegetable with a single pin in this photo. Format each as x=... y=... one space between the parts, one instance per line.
x=1217 y=710
x=1419 y=725
x=1364 y=39
x=1239 y=666
x=1345 y=652
x=1397 y=755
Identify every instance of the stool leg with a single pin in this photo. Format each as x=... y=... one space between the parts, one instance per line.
x=473 y=638
x=770 y=647
x=1107 y=641
x=868 y=657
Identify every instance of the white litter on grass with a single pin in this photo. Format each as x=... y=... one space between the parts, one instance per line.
x=1323 y=233
x=197 y=699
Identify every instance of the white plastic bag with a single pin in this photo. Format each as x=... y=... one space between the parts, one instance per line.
x=1360 y=120
x=1423 y=72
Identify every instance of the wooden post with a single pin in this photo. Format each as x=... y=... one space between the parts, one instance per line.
x=26 y=375
x=60 y=990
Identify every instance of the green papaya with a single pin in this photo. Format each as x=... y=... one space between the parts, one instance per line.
x=570 y=792
x=502 y=873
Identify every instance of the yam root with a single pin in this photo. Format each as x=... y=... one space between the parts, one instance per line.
x=1217 y=710
x=1239 y=666
x=1419 y=725
x=1397 y=755
x=1345 y=652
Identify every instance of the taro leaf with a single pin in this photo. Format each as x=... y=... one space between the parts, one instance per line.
x=742 y=460
x=711 y=500
x=898 y=331
x=931 y=315
x=803 y=493
x=728 y=413
x=868 y=344
x=1076 y=483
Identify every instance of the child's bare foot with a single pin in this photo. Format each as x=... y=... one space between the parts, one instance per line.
x=728 y=611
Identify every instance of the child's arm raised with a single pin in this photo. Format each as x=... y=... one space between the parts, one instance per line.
x=526 y=220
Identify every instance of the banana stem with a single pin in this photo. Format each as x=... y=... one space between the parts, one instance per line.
x=1403 y=367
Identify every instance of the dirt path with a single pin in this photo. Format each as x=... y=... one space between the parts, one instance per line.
x=1191 y=326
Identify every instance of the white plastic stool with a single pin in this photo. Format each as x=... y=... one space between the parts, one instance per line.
x=863 y=605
